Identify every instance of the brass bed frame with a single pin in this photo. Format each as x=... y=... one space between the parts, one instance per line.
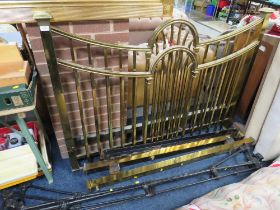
x=189 y=97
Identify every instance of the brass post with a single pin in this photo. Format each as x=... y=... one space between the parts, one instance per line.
x=167 y=7
x=265 y=14
x=43 y=20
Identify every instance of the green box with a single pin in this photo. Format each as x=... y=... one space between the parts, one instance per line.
x=18 y=96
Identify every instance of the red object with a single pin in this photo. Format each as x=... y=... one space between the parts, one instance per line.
x=275 y=165
x=223 y=3
x=275 y=30
x=2 y=144
x=31 y=125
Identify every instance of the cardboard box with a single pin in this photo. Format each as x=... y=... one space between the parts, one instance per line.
x=13 y=69
x=11 y=58
x=16 y=76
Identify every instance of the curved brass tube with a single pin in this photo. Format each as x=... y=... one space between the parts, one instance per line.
x=97 y=43
x=229 y=57
x=103 y=71
x=231 y=34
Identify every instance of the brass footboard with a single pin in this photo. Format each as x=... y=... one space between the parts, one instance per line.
x=186 y=103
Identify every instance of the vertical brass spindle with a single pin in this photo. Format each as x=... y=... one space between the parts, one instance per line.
x=95 y=103
x=248 y=37
x=122 y=101
x=154 y=102
x=170 y=91
x=171 y=35
x=203 y=108
x=211 y=97
x=178 y=89
x=173 y=67
x=231 y=76
x=134 y=92
x=80 y=100
x=179 y=35
x=219 y=94
x=160 y=101
x=188 y=100
x=189 y=44
x=208 y=91
x=186 y=73
x=147 y=92
x=216 y=94
x=238 y=74
x=185 y=38
x=205 y=53
x=109 y=102
x=164 y=39
x=146 y=108
x=223 y=90
x=157 y=47
x=197 y=100
x=226 y=48
x=122 y=111
x=216 y=50
x=226 y=81
x=167 y=92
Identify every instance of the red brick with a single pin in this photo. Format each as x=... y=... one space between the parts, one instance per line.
x=121 y=25
x=59 y=135
x=84 y=27
x=33 y=30
x=62 y=25
x=56 y=126
x=52 y=109
x=48 y=91
x=112 y=38
x=43 y=69
x=64 y=54
x=36 y=43
x=61 y=42
x=51 y=100
x=112 y=61
x=39 y=57
x=91 y=129
x=82 y=53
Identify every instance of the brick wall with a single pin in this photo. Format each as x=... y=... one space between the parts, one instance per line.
x=108 y=31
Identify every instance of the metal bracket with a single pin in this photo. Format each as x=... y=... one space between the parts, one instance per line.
x=114 y=168
x=149 y=190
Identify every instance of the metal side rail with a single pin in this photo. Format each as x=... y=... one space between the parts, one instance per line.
x=171 y=162
x=93 y=200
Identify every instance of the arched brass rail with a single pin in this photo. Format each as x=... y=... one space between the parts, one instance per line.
x=231 y=34
x=98 y=43
x=229 y=57
x=170 y=22
x=102 y=71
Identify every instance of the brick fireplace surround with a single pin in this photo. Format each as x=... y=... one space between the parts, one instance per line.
x=112 y=31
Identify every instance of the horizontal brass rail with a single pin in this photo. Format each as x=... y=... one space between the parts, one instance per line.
x=229 y=57
x=155 y=152
x=103 y=72
x=97 y=43
x=166 y=163
x=231 y=34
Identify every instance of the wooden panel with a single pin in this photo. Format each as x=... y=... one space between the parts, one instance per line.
x=70 y=10
x=254 y=79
